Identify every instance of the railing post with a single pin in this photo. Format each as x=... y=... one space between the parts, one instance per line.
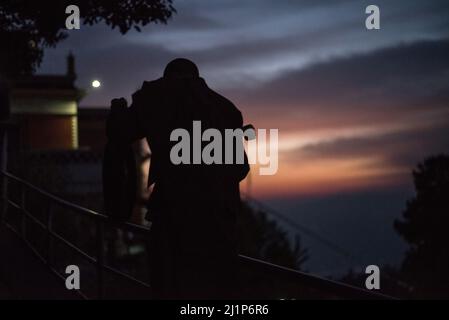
x=100 y=257
x=4 y=197
x=3 y=167
x=49 y=224
x=23 y=213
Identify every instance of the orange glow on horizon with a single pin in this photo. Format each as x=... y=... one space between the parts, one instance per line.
x=301 y=172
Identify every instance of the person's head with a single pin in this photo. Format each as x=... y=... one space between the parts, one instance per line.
x=181 y=68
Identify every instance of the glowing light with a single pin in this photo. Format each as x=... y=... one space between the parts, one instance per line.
x=96 y=84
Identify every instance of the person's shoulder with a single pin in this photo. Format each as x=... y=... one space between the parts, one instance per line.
x=227 y=105
x=147 y=88
x=223 y=100
x=152 y=85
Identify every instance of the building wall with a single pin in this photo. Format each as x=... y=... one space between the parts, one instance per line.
x=46 y=123
x=92 y=128
x=49 y=132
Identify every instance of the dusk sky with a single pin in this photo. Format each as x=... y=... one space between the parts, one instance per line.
x=356 y=109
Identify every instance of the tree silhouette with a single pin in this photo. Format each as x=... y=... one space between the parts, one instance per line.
x=425 y=227
x=27 y=27
x=262 y=238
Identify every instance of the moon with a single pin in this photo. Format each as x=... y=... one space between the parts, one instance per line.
x=96 y=84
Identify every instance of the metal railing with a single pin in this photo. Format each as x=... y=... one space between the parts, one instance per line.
x=99 y=220
x=330 y=288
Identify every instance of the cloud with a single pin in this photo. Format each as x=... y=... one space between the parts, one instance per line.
x=382 y=85
x=261 y=39
x=400 y=148
x=242 y=44
x=358 y=121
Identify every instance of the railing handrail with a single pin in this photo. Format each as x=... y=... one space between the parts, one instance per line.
x=56 y=199
x=316 y=280
x=90 y=213
x=98 y=217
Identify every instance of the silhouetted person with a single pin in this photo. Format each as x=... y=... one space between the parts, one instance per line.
x=193 y=206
